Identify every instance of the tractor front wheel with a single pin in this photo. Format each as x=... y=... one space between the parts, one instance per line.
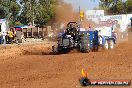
x=54 y=50
x=106 y=45
x=111 y=44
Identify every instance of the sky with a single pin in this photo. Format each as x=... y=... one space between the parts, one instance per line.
x=84 y=4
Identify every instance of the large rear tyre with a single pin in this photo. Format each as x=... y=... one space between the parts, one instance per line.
x=111 y=44
x=96 y=48
x=106 y=45
x=84 y=49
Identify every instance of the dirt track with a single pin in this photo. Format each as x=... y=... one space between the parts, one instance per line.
x=35 y=69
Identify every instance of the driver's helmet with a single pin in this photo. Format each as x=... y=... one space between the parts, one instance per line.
x=78 y=26
x=73 y=25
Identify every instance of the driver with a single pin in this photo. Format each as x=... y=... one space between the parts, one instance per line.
x=73 y=31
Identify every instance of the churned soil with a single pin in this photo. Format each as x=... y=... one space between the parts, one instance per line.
x=33 y=66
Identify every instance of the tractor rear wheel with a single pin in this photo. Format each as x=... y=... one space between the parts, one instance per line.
x=96 y=48
x=84 y=49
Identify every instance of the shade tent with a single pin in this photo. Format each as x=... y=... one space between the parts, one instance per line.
x=29 y=29
x=25 y=26
x=18 y=26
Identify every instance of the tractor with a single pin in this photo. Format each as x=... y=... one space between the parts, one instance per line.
x=74 y=38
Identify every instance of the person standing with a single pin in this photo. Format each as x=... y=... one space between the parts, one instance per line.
x=4 y=36
x=11 y=36
x=0 y=38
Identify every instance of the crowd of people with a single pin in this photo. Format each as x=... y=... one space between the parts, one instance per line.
x=7 y=37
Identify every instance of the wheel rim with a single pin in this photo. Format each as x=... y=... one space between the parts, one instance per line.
x=106 y=44
x=111 y=45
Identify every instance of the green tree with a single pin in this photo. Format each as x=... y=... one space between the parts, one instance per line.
x=120 y=6
x=26 y=14
x=3 y=12
x=14 y=8
x=38 y=11
x=45 y=11
x=106 y=4
x=129 y=6
x=9 y=9
x=116 y=6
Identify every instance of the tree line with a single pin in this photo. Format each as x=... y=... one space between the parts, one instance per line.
x=41 y=12
x=23 y=12
x=116 y=6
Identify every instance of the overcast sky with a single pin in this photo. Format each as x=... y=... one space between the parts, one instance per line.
x=84 y=4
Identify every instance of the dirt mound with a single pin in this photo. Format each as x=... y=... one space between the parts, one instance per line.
x=25 y=49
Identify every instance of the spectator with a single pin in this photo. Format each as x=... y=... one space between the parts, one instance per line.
x=0 y=38
x=11 y=36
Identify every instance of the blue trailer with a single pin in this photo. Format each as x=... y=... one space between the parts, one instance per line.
x=106 y=39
